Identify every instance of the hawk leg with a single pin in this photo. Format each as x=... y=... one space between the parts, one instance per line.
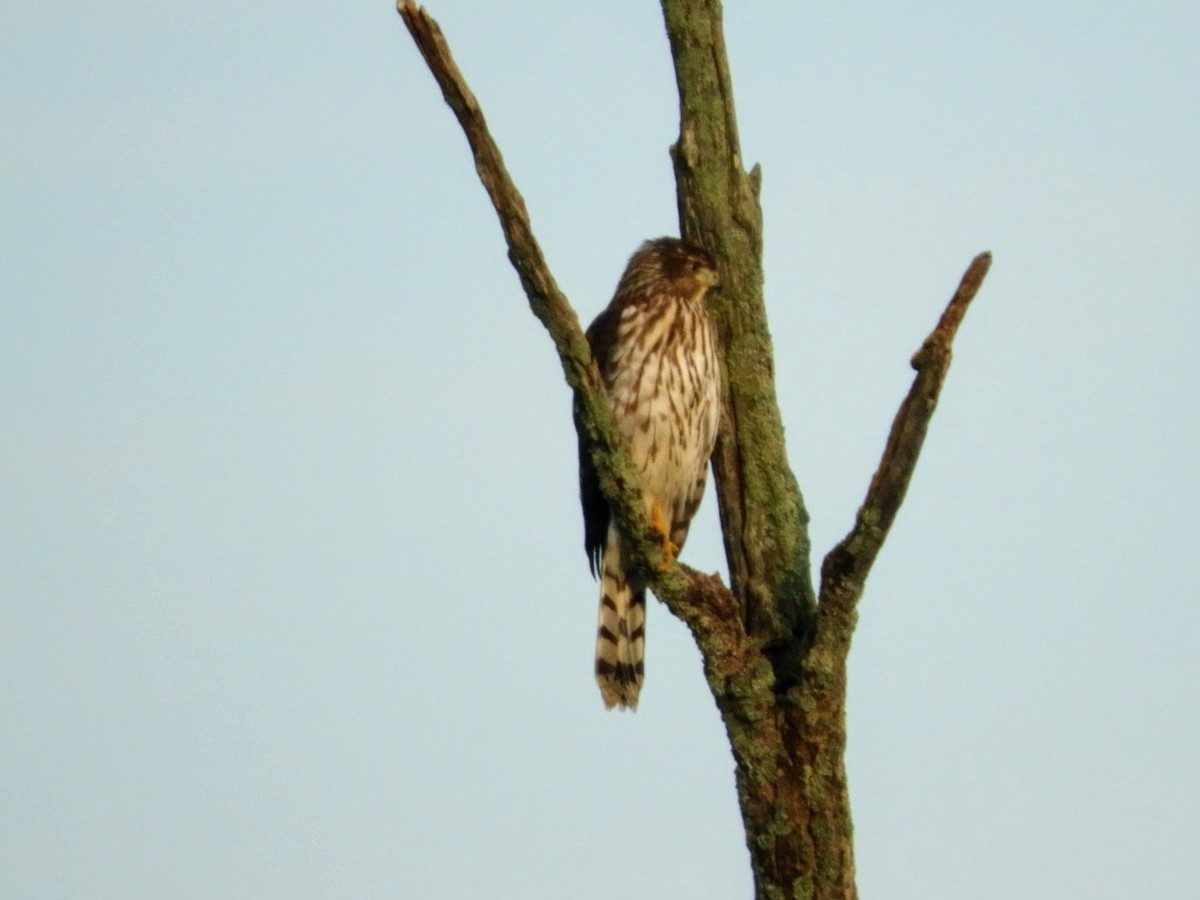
x=658 y=521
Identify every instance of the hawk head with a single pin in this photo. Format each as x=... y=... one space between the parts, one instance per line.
x=669 y=266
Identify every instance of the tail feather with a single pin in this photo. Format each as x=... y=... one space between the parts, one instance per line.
x=621 y=634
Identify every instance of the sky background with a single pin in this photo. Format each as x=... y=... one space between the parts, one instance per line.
x=293 y=600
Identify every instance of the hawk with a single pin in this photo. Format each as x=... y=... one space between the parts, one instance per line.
x=657 y=354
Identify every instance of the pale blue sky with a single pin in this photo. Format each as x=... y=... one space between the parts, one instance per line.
x=293 y=601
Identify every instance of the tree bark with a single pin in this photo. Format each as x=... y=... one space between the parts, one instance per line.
x=774 y=652
x=763 y=518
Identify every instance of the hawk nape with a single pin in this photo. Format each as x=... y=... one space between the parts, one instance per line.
x=657 y=354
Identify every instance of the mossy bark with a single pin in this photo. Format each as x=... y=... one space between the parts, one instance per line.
x=789 y=742
x=763 y=518
x=791 y=781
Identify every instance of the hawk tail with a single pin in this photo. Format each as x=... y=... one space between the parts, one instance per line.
x=621 y=634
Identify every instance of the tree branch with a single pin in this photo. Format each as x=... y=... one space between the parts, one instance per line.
x=845 y=569
x=547 y=301
x=701 y=601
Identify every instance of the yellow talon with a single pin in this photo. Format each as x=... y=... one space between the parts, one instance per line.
x=658 y=521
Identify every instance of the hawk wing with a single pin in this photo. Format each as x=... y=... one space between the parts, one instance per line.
x=601 y=335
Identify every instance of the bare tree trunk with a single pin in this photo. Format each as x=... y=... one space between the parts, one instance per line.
x=774 y=652
x=763 y=518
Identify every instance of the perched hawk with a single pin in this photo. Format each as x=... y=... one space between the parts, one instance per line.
x=657 y=354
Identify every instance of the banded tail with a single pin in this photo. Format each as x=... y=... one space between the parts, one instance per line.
x=621 y=634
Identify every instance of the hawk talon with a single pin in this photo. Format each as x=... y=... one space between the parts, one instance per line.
x=658 y=521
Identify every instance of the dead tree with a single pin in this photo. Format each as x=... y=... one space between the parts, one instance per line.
x=774 y=649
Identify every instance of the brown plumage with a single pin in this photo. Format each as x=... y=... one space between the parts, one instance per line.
x=657 y=353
